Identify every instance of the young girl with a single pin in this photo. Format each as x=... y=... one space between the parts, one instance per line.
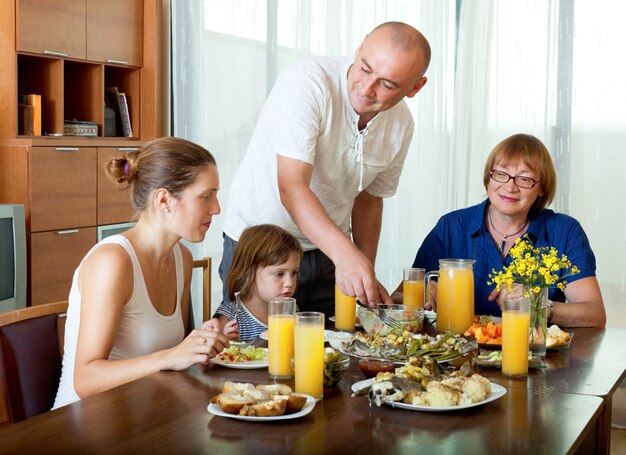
x=129 y=300
x=265 y=264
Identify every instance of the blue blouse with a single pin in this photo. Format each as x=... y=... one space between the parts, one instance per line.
x=463 y=234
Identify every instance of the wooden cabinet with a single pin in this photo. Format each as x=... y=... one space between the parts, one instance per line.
x=109 y=31
x=59 y=179
x=114 y=204
x=63 y=188
x=115 y=31
x=54 y=27
x=53 y=259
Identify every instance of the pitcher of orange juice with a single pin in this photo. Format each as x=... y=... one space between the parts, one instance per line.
x=455 y=294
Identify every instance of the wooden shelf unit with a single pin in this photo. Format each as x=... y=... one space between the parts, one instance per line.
x=59 y=179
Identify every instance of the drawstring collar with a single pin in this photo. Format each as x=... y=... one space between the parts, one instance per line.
x=357 y=148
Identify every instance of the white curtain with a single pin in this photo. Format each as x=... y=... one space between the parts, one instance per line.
x=549 y=68
x=552 y=69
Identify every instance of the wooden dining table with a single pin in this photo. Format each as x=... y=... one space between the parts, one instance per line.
x=562 y=409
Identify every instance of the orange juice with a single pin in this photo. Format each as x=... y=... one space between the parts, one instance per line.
x=309 y=357
x=280 y=345
x=413 y=292
x=515 y=326
x=345 y=308
x=455 y=300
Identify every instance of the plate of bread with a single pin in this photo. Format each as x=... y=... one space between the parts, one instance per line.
x=261 y=403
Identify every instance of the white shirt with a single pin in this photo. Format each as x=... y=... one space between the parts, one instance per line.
x=142 y=328
x=308 y=117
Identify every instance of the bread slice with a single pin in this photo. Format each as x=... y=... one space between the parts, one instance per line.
x=232 y=403
x=269 y=408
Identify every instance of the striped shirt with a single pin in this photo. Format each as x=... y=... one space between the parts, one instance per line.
x=249 y=326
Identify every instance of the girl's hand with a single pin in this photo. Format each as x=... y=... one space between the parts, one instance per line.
x=199 y=346
x=211 y=324
x=231 y=330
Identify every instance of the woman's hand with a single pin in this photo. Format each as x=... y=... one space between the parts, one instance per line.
x=199 y=346
x=432 y=297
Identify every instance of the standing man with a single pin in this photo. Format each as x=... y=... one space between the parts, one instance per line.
x=329 y=145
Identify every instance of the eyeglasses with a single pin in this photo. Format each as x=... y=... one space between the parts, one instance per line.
x=520 y=180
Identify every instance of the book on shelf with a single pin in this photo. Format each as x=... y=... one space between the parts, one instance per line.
x=125 y=115
x=117 y=101
x=29 y=115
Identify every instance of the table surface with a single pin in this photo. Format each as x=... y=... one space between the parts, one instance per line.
x=551 y=411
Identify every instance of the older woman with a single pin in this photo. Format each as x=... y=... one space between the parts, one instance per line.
x=520 y=181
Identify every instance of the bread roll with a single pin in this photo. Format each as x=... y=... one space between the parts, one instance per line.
x=275 y=389
x=232 y=403
x=295 y=403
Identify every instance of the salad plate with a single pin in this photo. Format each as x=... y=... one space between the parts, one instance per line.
x=497 y=391
x=245 y=358
x=248 y=365
x=308 y=407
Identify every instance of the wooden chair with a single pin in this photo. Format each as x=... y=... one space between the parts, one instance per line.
x=205 y=263
x=31 y=342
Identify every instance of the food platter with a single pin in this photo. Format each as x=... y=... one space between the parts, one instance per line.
x=497 y=391
x=308 y=407
x=363 y=346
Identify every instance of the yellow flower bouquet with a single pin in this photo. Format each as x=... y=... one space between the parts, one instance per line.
x=536 y=269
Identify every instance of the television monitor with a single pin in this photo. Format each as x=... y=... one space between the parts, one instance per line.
x=112 y=229
x=12 y=257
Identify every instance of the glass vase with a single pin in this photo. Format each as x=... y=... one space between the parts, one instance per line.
x=538 y=329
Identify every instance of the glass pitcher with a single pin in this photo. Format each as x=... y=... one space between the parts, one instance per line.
x=455 y=294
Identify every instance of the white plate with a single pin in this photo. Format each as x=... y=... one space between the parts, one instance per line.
x=308 y=407
x=264 y=335
x=497 y=391
x=356 y=324
x=252 y=364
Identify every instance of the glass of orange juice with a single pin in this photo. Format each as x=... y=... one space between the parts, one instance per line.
x=413 y=287
x=455 y=294
x=309 y=354
x=345 y=309
x=515 y=326
x=280 y=330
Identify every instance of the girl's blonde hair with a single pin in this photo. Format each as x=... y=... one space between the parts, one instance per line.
x=259 y=246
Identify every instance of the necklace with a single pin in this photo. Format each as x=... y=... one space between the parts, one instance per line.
x=502 y=246
x=167 y=267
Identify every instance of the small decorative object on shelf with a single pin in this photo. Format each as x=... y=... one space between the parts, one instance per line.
x=536 y=269
x=77 y=128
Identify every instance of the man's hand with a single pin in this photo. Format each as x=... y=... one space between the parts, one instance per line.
x=355 y=276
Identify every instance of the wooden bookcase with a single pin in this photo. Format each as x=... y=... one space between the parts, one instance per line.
x=68 y=51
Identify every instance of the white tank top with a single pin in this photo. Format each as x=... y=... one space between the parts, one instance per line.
x=142 y=329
